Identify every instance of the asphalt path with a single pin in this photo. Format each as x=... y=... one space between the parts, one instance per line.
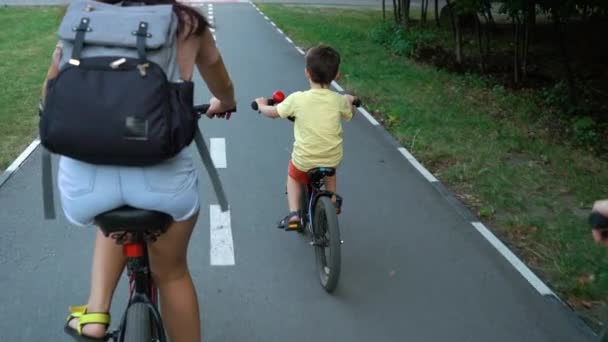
x=413 y=269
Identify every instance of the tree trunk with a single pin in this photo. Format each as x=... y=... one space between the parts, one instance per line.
x=482 y=59
x=396 y=10
x=384 y=10
x=437 y=12
x=424 y=10
x=457 y=32
x=516 y=53
x=561 y=37
x=406 y=14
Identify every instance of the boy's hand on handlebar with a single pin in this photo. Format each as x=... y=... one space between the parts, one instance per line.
x=350 y=98
x=220 y=109
x=261 y=101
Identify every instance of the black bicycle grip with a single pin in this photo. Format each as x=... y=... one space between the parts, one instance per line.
x=599 y=222
x=254 y=105
x=201 y=110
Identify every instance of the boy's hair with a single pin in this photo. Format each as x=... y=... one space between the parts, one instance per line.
x=322 y=63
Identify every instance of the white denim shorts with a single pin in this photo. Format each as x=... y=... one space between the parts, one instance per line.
x=87 y=190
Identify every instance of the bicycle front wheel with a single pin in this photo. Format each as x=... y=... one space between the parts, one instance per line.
x=139 y=324
x=327 y=243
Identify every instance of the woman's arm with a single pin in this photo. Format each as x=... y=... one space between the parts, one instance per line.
x=213 y=71
x=53 y=69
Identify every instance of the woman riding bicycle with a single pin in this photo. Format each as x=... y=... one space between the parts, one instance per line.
x=171 y=187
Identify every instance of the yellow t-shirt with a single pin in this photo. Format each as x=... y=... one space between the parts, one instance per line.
x=317 y=130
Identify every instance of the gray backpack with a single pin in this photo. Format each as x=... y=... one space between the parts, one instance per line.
x=118 y=98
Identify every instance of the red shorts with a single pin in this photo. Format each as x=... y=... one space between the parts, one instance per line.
x=297 y=174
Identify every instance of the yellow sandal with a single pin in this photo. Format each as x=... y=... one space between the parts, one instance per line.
x=85 y=318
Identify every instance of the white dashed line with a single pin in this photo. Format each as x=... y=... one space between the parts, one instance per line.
x=368 y=116
x=429 y=176
x=217 y=147
x=300 y=50
x=212 y=29
x=273 y=24
x=265 y=17
x=221 y=252
x=280 y=31
x=514 y=260
x=289 y=40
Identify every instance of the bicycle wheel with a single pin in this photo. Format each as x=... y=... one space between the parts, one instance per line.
x=139 y=325
x=327 y=243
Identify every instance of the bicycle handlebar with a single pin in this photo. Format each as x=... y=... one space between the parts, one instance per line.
x=271 y=102
x=599 y=222
x=202 y=109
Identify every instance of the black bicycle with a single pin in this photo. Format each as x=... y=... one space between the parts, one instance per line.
x=319 y=216
x=133 y=229
x=600 y=222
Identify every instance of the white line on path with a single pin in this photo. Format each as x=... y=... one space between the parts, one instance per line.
x=221 y=252
x=300 y=50
x=218 y=152
x=417 y=165
x=280 y=31
x=273 y=24
x=368 y=116
x=289 y=40
x=514 y=260
x=265 y=17
x=17 y=162
x=337 y=86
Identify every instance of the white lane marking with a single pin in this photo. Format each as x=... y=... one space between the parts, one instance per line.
x=212 y=29
x=265 y=17
x=300 y=50
x=218 y=152
x=514 y=260
x=221 y=252
x=417 y=165
x=214 y=38
x=368 y=116
x=210 y=17
x=280 y=31
x=337 y=86
x=273 y=24
x=289 y=40
x=17 y=162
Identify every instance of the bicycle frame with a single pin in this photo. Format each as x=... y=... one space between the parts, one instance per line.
x=141 y=287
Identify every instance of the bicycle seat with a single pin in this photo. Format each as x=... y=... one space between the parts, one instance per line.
x=132 y=220
x=319 y=173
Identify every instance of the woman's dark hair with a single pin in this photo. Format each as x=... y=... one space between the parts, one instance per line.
x=198 y=23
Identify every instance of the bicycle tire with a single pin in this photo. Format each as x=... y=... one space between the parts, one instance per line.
x=303 y=209
x=327 y=236
x=139 y=325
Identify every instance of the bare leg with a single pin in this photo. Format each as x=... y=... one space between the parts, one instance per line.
x=294 y=191
x=108 y=264
x=179 y=303
x=330 y=185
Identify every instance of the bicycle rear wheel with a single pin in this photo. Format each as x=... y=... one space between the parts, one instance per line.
x=139 y=324
x=327 y=243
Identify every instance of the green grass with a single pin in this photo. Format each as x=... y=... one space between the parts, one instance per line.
x=482 y=142
x=27 y=38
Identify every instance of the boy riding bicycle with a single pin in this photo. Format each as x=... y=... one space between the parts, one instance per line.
x=317 y=130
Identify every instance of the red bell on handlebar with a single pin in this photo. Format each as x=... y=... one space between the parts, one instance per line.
x=278 y=96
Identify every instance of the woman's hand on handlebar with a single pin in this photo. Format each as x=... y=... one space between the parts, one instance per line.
x=220 y=109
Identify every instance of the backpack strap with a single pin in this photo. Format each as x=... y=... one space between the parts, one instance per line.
x=142 y=34
x=211 y=170
x=47 y=185
x=82 y=28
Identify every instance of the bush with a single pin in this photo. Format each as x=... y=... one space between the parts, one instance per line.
x=403 y=42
